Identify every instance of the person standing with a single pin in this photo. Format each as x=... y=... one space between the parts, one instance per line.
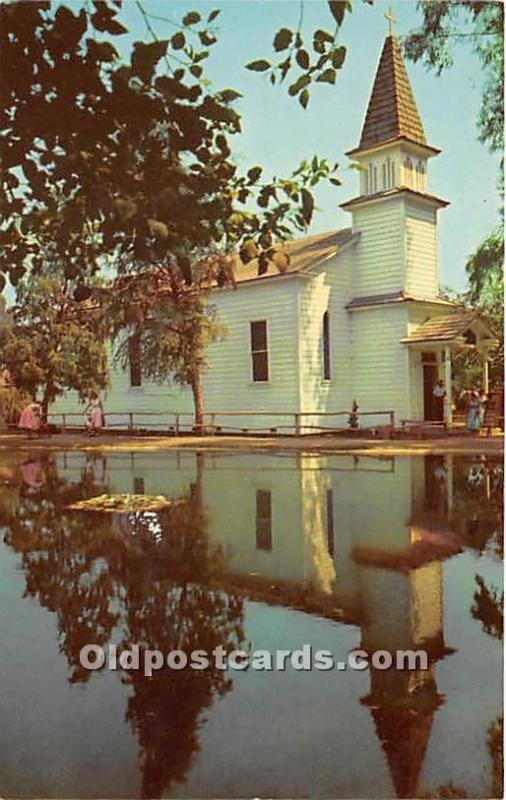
x=439 y=394
x=473 y=411
x=31 y=419
x=95 y=414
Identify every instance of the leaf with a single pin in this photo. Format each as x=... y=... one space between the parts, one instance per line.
x=125 y=209
x=258 y=66
x=196 y=71
x=115 y=28
x=281 y=260
x=299 y=84
x=323 y=36
x=213 y=14
x=328 y=76
x=282 y=39
x=206 y=39
x=229 y=95
x=335 y=181
x=307 y=205
x=302 y=58
x=248 y=251
x=101 y=51
x=158 y=229
x=304 y=98
x=254 y=174
x=178 y=41
x=145 y=57
x=338 y=57
x=192 y=18
x=337 y=9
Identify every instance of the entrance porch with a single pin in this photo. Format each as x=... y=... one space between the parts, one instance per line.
x=438 y=339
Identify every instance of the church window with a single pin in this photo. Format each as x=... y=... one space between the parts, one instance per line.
x=134 y=357
x=326 y=346
x=392 y=173
x=259 y=354
x=408 y=172
x=263 y=520
x=384 y=170
x=375 y=179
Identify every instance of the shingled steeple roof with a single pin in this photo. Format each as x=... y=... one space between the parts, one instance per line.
x=392 y=111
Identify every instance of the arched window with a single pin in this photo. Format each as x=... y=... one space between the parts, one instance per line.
x=392 y=170
x=326 y=346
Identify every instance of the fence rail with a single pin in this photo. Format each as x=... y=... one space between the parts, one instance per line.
x=176 y=422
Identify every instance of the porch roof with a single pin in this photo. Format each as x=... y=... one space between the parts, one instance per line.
x=448 y=328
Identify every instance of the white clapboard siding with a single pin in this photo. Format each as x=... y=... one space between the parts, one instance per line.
x=330 y=290
x=380 y=256
x=421 y=251
x=228 y=382
x=380 y=362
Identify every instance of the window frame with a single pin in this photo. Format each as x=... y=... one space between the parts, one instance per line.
x=259 y=351
x=135 y=362
x=326 y=360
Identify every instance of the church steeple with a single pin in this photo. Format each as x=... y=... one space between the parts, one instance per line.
x=394 y=210
x=392 y=111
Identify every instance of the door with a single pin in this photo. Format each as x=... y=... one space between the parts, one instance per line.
x=430 y=377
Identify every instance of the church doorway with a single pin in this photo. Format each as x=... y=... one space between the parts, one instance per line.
x=430 y=378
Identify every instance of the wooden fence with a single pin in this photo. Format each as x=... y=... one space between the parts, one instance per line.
x=175 y=423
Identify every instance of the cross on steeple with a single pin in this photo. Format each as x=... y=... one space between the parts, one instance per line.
x=389 y=16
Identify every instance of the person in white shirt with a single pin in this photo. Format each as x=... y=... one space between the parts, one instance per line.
x=439 y=395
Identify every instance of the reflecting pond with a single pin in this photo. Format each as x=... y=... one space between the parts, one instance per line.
x=261 y=552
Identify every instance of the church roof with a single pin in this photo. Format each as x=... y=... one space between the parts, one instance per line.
x=303 y=254
x=447 y=328
x=392 y=111
x=388 y=298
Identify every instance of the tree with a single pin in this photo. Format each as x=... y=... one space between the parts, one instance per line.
x=52 y=343
x=163 y=312
x=130 y=161
x=481 y=23
x=114 y=578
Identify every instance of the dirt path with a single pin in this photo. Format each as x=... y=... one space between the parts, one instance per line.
x=464 y=445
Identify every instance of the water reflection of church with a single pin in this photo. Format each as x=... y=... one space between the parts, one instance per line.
x=358 y=539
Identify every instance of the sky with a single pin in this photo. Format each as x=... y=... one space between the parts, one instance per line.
x=278 y=134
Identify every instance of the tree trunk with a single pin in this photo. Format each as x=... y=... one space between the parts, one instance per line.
x=198 y=403
x=48 y=390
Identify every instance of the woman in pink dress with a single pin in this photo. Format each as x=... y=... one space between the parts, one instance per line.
x=30 y=419
x=95 y=415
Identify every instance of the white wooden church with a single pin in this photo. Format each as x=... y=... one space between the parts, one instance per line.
x=357 y=316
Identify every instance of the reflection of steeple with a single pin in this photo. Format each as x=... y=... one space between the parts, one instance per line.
x=403 y=711
x=404 y=611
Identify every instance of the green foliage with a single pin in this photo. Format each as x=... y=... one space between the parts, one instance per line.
x=307 y=64
x=485 y=275
x=103 y=157
x=113 y=577
x=52 y=345
x=481 y=23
